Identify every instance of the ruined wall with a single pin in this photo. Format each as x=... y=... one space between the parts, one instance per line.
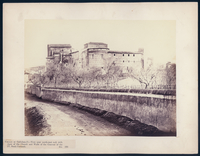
x=156 y=110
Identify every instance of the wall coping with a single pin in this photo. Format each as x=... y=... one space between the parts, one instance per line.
x=169 y=97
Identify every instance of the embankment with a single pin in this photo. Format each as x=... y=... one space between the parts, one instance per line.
x=35 y=122
x=140 y=113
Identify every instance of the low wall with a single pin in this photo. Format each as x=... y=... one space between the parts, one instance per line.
x=156 y=110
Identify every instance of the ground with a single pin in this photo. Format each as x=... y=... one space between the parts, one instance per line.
x=44 y=118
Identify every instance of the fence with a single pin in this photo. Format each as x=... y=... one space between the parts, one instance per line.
x=173 y=87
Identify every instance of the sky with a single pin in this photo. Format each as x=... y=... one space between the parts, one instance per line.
x=157 y=38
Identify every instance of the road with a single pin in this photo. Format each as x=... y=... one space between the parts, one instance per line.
x=62 y=120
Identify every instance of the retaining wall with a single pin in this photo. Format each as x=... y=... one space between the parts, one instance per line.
x=156 y=110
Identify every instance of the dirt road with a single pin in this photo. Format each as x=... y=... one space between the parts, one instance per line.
x=52 y=119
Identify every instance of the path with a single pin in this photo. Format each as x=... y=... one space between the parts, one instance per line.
x=62 y=120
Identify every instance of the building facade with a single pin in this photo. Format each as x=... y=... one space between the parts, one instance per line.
x=94 y=54
x=97 y=54
x=60 y=53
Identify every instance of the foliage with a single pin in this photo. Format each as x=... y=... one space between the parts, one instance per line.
x=70 y=75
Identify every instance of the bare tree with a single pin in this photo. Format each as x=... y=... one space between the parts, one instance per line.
x=146 y=77
x=54 y=72
x=38 y=79
x=110 y=72
x=92 y=78
x=78 y=75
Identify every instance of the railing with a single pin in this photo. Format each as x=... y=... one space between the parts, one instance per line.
x=173 y=87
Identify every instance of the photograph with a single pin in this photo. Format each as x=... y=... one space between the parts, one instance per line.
x=100 y=78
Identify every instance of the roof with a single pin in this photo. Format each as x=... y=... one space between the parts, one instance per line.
x=96 y=49
x=74 y=52
x=59 y=45
x=124 y=52
x=95 y=43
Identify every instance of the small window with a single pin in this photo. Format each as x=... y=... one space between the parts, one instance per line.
x=128 y=54
x=101 y=55
x=92 y=55
x=123 y=54
x=133 y=54
x=123 y=60
x=114 y=54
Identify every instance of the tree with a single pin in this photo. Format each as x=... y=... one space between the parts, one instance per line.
x=110 y=72
x=72 y=72
x=38 y=79
x=54 y=71
x=146 y=77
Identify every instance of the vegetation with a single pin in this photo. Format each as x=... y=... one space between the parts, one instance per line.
x=69 y=76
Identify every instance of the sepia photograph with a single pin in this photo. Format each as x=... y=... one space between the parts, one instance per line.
x=100 y=78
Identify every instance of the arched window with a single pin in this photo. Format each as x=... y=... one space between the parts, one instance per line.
x=123 y=54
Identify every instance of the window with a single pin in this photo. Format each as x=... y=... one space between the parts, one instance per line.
x=92 y=56
x=114 y=54
x=133 y=54
x=123 y=54
x=123 y=60
x=101 y=55
x=128 y=54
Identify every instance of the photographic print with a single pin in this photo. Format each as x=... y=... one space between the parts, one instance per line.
x=100 y=78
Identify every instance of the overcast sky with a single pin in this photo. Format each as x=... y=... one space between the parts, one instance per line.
x=158 y=38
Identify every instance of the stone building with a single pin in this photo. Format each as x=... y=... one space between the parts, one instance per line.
x=60 y=53
x=94 y=54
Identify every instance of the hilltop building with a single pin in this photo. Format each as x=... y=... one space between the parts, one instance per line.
x=60 y=53
x=94 y=54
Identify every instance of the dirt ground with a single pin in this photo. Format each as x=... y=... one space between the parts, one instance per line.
x=62 y=120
